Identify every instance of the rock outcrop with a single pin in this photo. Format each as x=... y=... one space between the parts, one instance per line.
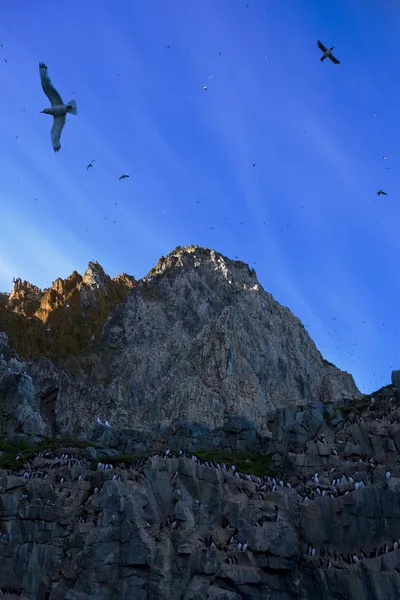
x=61 y=320
x=189 y=442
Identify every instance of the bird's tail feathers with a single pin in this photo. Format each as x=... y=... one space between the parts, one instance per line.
x=73 y=110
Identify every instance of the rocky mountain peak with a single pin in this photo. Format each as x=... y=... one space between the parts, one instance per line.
x=143 y=400
x=24 y=297
x=95 y=276
x=186 y=259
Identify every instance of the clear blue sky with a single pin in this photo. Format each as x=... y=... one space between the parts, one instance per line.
x=306 y=217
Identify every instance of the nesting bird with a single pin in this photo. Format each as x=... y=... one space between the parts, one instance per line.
x=58 y=109
x=327 y=53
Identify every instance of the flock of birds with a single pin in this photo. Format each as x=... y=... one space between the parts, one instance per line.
x=341 y=485
x=59 y=109
x=330 y=482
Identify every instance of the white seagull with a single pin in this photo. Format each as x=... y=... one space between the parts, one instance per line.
x=327 y=53
x=58 y=108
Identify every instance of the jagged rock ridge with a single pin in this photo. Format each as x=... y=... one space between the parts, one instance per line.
x=60 y=320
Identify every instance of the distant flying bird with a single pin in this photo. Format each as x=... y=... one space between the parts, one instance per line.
x=90 y=165
x=58 y=109
x=124 y=176
x=205 y=88
x=327 y=53
x=381 y=192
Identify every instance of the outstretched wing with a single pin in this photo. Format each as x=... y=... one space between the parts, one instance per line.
x=48 y=87
x=56 y=130
x=334 y=60
x=321 y=46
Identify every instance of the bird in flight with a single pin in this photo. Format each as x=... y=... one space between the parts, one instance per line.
x=90 y=165
x=381 y=192
x=124 y=176
x=327 y=53
x=58 y=109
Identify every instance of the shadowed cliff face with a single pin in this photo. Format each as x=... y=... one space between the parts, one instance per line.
x=60 y=320
x=316 y=517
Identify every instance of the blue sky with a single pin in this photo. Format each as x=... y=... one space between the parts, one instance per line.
x=306 y=217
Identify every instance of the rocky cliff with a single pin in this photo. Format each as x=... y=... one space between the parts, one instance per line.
x=197 y=351
x=192 y=444
x=315 y=515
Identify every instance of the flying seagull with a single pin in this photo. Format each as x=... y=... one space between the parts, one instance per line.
x=58 y=108
x=327 y=53
x=90 y=165
x=124 y=176
x=381 y=192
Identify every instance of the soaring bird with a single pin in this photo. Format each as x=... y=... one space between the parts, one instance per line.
x=124 y=176
x=58 y=108
x=381 y=192
x=90 y=165
x=327 y=53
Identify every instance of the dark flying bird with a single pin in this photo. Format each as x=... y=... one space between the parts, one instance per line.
x=58 y=109
x=90 y=165
x=327 y=53
x=124 y=176
x=381 y=192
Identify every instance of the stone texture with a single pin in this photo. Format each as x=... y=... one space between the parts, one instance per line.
x=62 y=319
x=173 y=525
x=396 y=378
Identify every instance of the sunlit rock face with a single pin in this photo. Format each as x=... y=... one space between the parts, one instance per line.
x=61 y=320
